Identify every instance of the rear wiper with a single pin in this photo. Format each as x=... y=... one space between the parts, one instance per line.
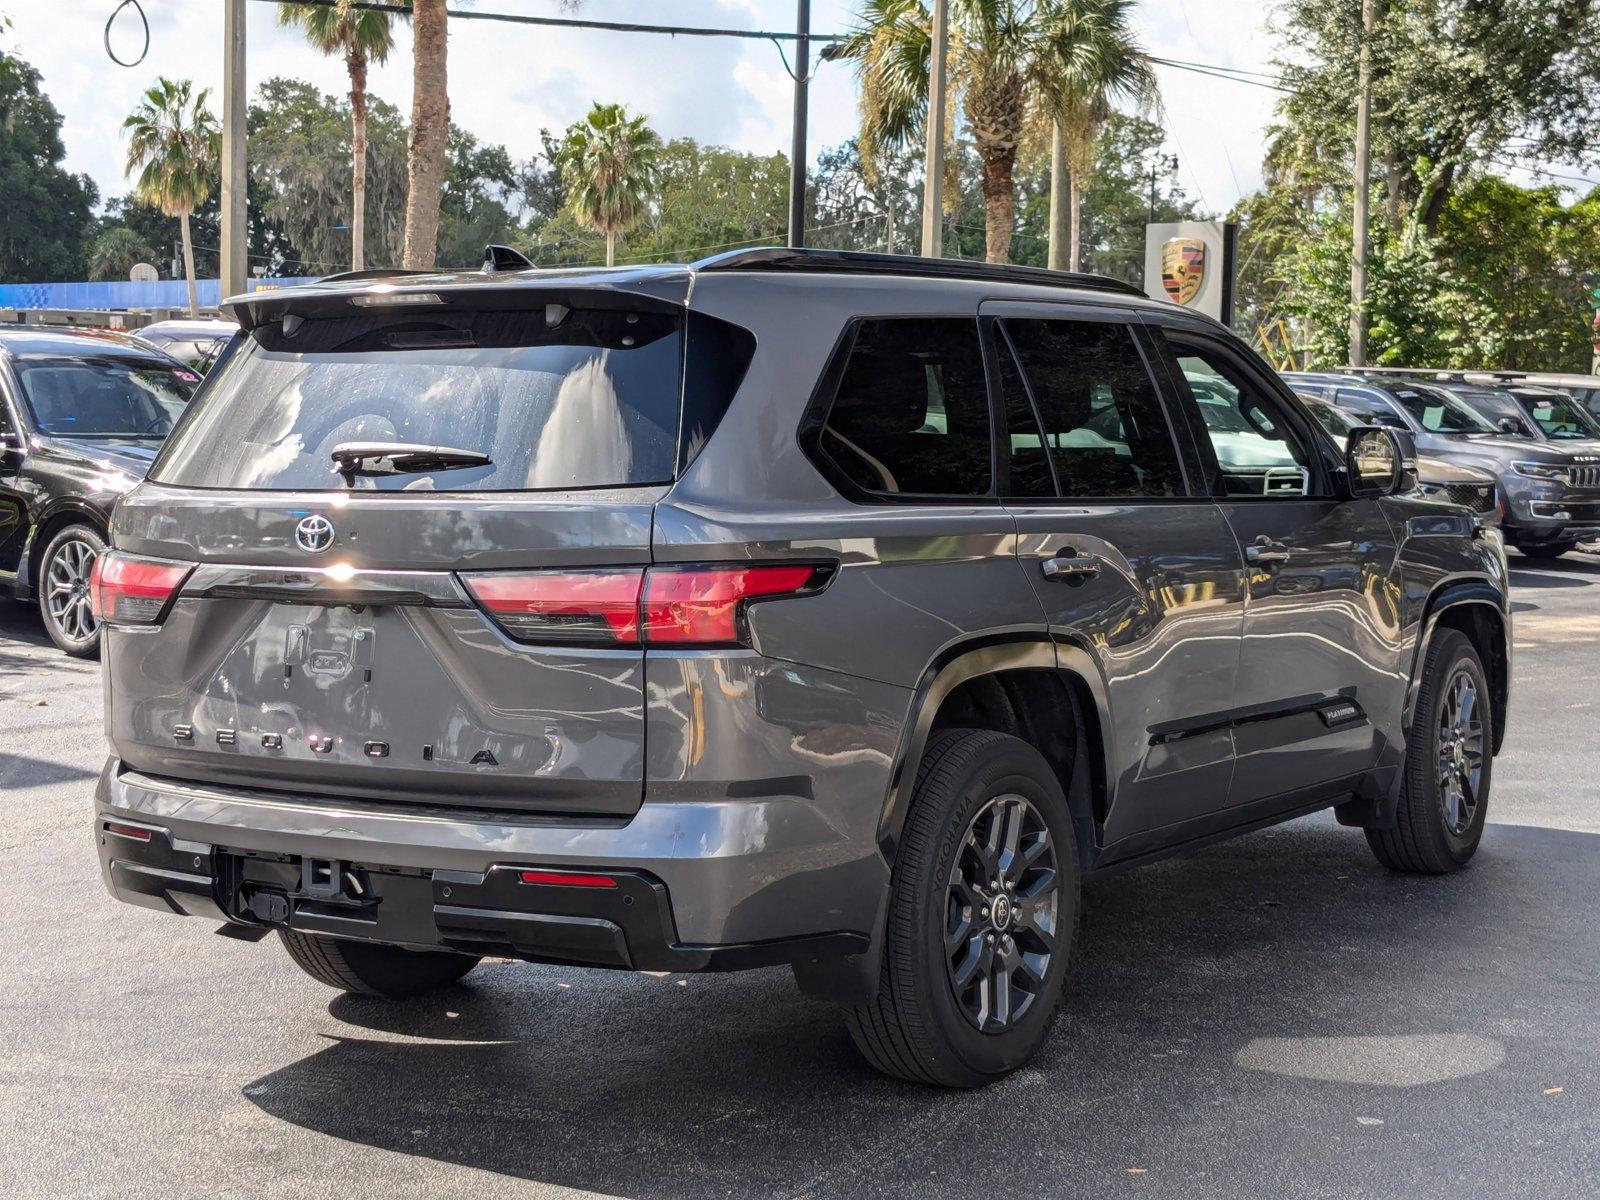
x=400 y=458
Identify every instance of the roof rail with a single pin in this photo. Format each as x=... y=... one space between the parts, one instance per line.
x=847 y=262
x=372 y=273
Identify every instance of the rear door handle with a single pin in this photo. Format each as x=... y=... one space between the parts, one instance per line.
x=1070 y=567
x=1267 y=553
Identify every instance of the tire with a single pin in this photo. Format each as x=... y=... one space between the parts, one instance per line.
x=1431 y=836
x=373 y=969
x=63 y=587
x=1548 y=551
x=921 y=1027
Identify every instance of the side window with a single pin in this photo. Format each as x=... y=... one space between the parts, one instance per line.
x=1371 y=409
x=1103 y=425
x=911 y=415
x=1259 y=453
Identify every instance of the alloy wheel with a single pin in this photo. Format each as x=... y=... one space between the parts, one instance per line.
x=1460 y=751
x=1001 y=906
x=67 y=590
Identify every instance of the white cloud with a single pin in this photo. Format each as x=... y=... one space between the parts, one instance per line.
x=507 y=82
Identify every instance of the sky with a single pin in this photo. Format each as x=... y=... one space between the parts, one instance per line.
x=507 y=82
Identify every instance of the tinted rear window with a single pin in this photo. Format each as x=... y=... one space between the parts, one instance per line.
x=581 y=398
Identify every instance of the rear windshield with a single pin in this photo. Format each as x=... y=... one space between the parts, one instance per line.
x=104 y=397
x=556 y=398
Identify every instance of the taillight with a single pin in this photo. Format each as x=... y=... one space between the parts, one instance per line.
x=583 y=607
x=567 y=879
x=133 y=590
x=700 y=605
x=661 y=606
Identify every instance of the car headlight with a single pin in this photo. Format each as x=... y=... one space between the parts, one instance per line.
x=1535 y=470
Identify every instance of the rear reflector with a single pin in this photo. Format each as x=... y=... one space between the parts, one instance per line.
x=133 y=590
x=136 y=833
x=661 y=606
x=567 y=879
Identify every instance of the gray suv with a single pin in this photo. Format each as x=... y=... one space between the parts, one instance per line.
x=1550 y=489
x=829 y=610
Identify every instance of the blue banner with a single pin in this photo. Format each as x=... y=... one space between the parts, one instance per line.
x=164 y=293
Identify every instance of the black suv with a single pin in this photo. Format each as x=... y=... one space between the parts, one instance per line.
x=81 y=418
x=833 y=610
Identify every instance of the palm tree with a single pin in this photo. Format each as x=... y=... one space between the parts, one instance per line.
x=430 y=132
x=608 y=162
x=1100 y=62
x=362 y=36
x=173 y=143
x=1009 y=60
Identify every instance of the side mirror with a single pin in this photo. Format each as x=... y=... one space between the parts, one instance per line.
x=1512 y=426
x=1378 y=463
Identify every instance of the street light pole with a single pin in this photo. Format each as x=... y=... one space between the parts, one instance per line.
x=1360 y=214
x=797 y=150
x=933 y=166
x=235 y=243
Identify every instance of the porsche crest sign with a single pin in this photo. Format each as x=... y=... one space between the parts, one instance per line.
x=1192 y=264
x=1183 y=268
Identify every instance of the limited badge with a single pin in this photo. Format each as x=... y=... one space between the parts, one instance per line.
x=1183 y=268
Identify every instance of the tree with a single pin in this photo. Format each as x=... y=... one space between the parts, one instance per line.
x=430 y=132
x=362 y=36
x=173 y=145
x=45 y=210
x=608 y=163
x=1101 y=62
x=1008 y=61
x=114 y=252
x=481 y=184
x=300 y=151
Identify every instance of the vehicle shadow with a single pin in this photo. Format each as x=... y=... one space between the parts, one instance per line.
x=21 y=771
x=1212 y=998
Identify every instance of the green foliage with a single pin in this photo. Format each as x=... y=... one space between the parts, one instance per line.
x=116 y=249
x=47 y=220
x=173 y=146
x=342 y=29
x=608 y=165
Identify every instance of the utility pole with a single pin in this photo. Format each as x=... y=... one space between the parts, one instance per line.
x=933 y=163
x=1363 y=196
x=797 y=149
x=235 y=214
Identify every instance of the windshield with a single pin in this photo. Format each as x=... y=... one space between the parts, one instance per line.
x=1440 y=412
x=104 y=397
x=1561 y=419
x=592 y=402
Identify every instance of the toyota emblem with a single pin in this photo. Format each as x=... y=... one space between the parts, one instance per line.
x=314 y=534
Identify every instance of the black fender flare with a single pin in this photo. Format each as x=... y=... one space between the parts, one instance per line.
x=1455 y=595
x=77 y=510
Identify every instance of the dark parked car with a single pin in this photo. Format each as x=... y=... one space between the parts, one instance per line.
x=1549 y=491
x=835 y=610
x=81 y=418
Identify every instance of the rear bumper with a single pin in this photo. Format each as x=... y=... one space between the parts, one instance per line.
x=708 y=885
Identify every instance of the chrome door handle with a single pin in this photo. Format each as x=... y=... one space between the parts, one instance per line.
x=1265 y=552
x=1070 y=567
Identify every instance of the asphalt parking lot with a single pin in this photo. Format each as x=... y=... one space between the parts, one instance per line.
x=1276 y=1016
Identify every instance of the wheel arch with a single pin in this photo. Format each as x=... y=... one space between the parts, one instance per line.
x=66 y=511
x=1012 y=684
x=1475 y=609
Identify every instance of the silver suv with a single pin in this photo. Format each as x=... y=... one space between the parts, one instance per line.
x=828 y=610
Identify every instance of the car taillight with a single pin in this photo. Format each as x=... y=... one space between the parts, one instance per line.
x=661 y=606
x=705 y=605
x=133 y=590
x=567 y=879
x=583 y=607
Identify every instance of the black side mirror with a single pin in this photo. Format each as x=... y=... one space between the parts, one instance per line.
x=1378 y=462
x=1511 y=425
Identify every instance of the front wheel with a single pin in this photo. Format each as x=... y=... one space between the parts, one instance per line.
x=373 y=969
x=64 y=571
x=1444 y=797
x=983 y=914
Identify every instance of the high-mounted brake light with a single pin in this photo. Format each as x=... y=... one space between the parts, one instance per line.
x=133 y=590
x=661 y=606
